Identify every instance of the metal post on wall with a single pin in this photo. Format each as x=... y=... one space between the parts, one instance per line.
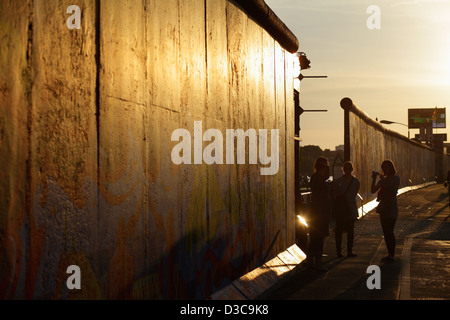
x=347 y=104
x=346 y=135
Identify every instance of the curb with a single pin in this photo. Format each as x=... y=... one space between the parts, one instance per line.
x=259 y=282
x=369 y=206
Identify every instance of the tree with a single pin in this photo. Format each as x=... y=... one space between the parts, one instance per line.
x=308 y=155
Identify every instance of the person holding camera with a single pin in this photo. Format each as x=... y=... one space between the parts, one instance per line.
x=319 y=220
x=345 y=208
x=387 y=188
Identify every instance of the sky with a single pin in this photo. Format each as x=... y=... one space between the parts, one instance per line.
x=403 y=64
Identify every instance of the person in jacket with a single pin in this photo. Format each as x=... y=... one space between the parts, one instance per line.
x=319 y=219
x=346 y=188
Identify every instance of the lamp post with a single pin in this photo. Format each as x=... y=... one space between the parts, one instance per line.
x=393 y=122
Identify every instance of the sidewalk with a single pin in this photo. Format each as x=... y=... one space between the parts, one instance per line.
x=346 y=277
x=420 y=270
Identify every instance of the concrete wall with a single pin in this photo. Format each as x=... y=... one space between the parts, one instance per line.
x=368 y=143
x=442 y=160
x=85 y=148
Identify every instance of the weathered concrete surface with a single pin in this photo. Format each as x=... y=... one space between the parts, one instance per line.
x=63 y=159
x=15 y=96
x=85 y=136
x=370 y=144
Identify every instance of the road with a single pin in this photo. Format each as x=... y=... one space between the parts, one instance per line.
x=421 y=269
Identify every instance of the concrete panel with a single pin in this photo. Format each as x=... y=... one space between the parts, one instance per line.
x=163 y=53
x=122 y=146
x=123 y=28
x=63 y=172
x=224 y=215
x=269 y=84
x=254 y=80
x=15 y=108
x=255 y=206
x=217 y=61
x=280 y=114
x=290 y=151
x=163 y=224
x=64 y=123
x=247 y=227
x=122 y=189
x=192 y=68
x=237 y=52
x=122 y=81
x=193 y=216
x=280 y=94
x=222 y=235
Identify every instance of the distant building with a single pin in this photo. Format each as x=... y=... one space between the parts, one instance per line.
x=340 y=148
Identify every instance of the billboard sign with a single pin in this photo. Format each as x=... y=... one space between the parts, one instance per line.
x=419 y=118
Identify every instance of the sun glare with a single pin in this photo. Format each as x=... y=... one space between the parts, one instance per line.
x=442 y=64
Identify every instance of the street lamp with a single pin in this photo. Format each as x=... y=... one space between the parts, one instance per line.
x=393 y=122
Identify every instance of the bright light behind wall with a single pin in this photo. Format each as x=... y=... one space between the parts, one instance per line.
x=296 y=71
x=296 y=65
x=302 y=220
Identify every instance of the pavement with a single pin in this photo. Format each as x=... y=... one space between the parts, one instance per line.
x=421 y=270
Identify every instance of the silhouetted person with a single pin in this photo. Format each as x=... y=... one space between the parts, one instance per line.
x=319 y=219
x=387 y=188
x=346 y=188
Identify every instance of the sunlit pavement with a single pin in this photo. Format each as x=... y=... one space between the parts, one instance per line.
x=421 y=269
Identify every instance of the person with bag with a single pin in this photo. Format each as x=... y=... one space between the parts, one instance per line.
x=387 y=188
x=345 y=209
x=319 y=219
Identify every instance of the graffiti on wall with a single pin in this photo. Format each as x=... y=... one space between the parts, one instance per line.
x=128 y=241
x=87 y=174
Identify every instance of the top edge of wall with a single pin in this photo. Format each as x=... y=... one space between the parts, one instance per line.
x=261 y=12
x=348 y=105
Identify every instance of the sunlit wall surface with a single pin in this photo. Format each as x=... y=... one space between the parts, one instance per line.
x=368 y=144
x=87 y=179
